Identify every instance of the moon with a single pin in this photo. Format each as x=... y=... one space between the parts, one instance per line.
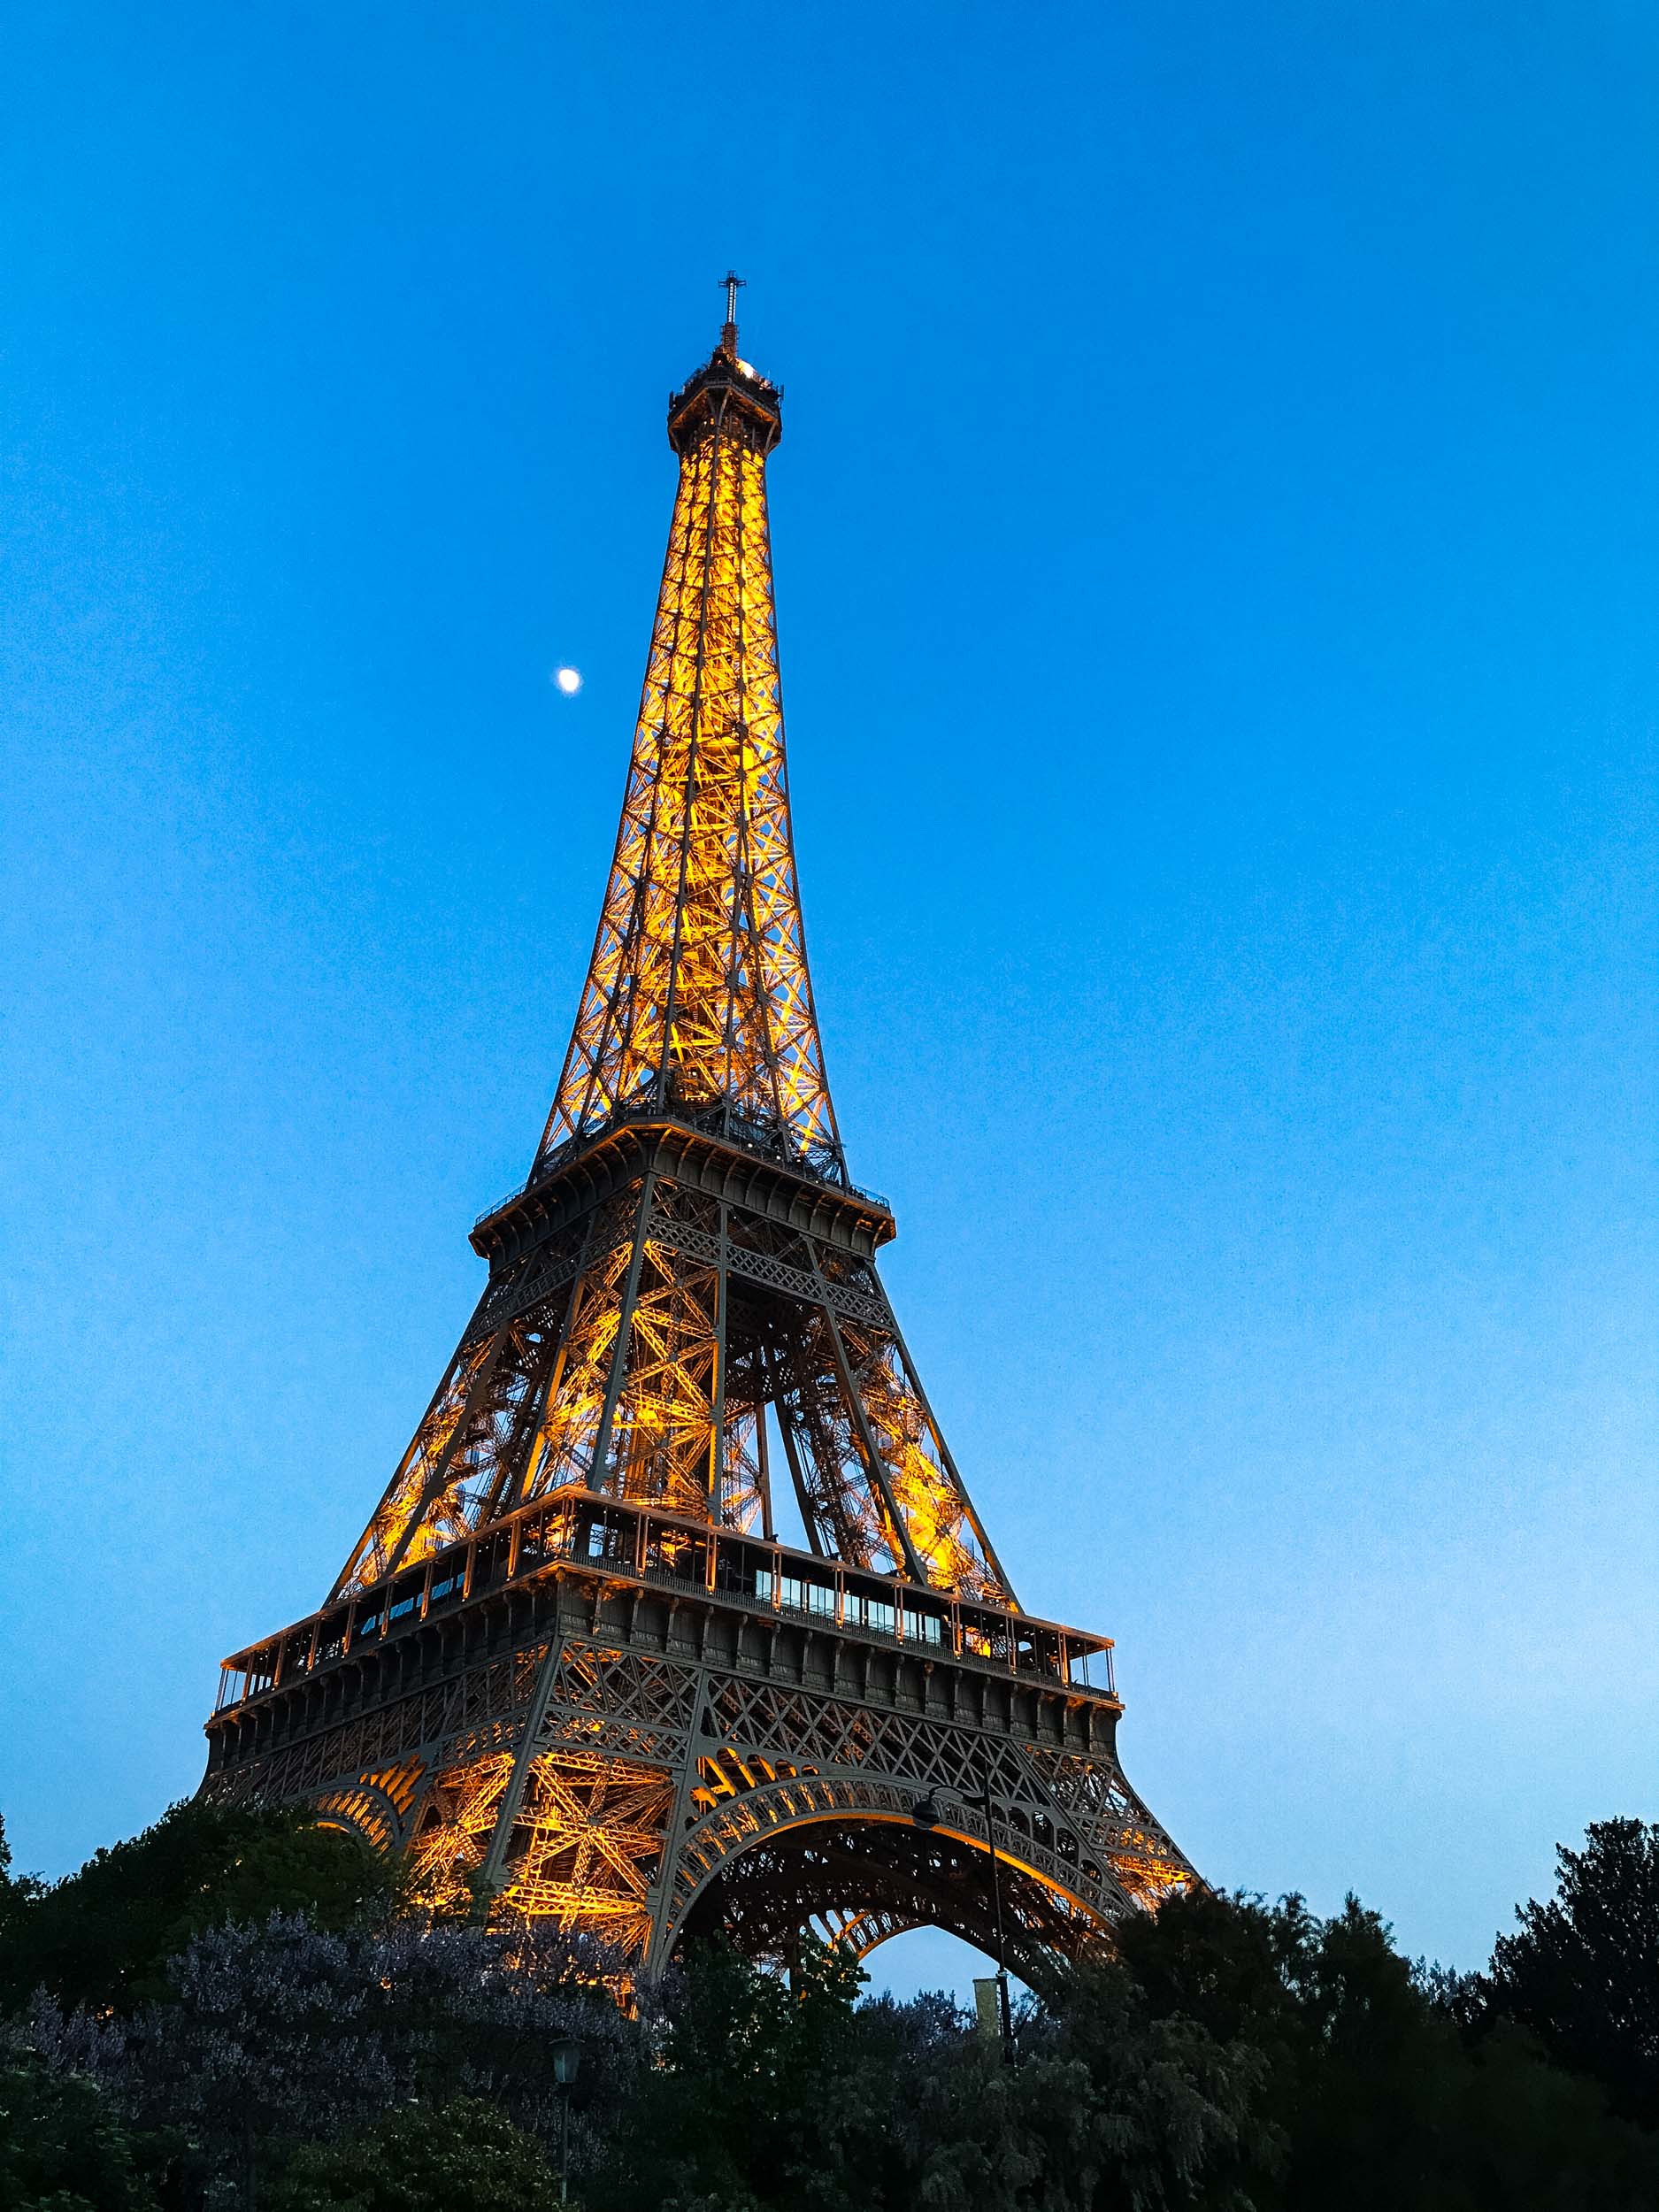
x=569 y=680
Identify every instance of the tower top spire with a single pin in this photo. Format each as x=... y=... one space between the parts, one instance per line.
x=733 y=284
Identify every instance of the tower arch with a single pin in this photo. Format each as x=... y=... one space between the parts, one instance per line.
x=861 y=1878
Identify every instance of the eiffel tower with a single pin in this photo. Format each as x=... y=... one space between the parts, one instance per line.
x=569 y=1668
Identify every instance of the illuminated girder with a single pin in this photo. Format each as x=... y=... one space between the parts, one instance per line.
x=644 y=1346
x=697 y=994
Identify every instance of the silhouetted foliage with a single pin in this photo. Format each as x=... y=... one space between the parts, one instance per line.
x=778 y=2093
x=1583 y=1973
x=1372 y=2096
x=102 y=1936
x=1109 y=2107
x=747 y=2103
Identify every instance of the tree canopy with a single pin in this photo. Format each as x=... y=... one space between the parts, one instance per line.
x=1583 y=1972
x=102 y=1936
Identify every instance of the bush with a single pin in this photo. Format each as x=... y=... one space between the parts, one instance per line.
x=463 y=2157
x=290 y=2032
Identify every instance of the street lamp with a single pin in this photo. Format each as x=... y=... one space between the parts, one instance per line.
x=926 y=1813
x=567 y=2059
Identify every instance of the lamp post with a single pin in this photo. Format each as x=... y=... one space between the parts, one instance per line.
x=925 y=1813
x=567 y=2058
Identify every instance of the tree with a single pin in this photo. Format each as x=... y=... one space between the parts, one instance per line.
x=894 y=2031
x=18 y=1892
x=778 y=2092
x=1583 y=1972
x=102 y=1936
x=62 y=2149
x=1524 y=2135
x=749 y=2103
x=1374 y=2097
x=466 y=2157
x=1110 y=2110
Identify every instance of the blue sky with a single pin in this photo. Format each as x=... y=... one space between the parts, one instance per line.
x=1217 y=569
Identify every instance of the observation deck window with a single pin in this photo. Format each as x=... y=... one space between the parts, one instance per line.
x=803 y=1596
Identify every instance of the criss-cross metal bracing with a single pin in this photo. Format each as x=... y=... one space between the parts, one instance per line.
x=697 y=995
x=655 y=1310
x=569 y=1668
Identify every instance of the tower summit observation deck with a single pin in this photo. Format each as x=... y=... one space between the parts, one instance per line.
x=569 y=1668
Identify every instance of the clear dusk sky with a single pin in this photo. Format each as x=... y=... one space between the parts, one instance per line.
x=1216 y=544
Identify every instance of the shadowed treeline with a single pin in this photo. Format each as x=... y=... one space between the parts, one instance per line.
x=239 y=2010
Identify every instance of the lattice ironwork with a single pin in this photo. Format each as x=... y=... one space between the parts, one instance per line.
x=698 y=993
x=584 y=1838
x=683 y=1311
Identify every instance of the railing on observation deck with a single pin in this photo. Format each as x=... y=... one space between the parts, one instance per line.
x=634 y=1543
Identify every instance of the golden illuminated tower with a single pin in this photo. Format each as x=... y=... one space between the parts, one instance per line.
x=569 y=1666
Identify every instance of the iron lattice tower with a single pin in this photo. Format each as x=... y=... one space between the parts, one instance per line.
x=569 y=1667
